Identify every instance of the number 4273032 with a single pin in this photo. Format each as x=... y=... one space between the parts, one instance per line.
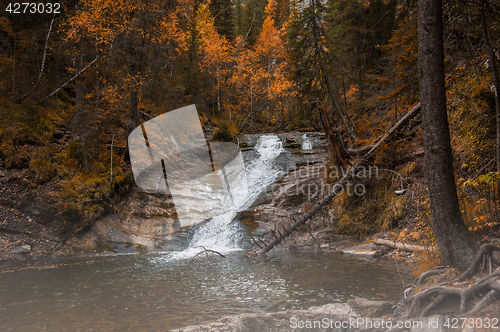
x=33 y=8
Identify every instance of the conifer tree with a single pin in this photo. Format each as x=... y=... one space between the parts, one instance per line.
x=253 y=18
x=222 y=12
x=455 y=243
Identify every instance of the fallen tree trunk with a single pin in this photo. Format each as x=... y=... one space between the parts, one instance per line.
x=410 y=115
x=338 y=187
x=401 y=246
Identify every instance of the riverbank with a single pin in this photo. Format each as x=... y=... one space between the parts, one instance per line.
x=355 y=315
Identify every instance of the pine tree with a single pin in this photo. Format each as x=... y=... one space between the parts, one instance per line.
x=222 y=12
x=216 y=56
x=238 y=18
x=253 y=18
x=455 y=243
x=355 y=30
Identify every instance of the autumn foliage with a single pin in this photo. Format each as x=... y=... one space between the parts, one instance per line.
x=72 y=88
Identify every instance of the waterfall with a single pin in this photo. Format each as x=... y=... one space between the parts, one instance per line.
x=223 y=233
x=306 y=143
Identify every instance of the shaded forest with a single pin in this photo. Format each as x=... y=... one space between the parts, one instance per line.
x=75 y=84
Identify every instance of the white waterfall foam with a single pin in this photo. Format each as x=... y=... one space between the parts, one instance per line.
x=222 y=233
x=306 y=143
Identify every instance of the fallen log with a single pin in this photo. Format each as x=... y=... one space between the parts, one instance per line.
x=401 y=246
x=338 y=187
x=408 y=116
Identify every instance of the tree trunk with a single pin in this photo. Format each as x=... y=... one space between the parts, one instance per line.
x=455 y=243
x=496 y=84
x=333 y=140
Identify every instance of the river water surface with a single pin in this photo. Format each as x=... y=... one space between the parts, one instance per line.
x=156 y=293
x=162 y=291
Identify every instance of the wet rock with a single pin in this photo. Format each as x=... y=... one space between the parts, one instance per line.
x=321 y=318
x=145 y=222
x=371 y=308
x=21 y=249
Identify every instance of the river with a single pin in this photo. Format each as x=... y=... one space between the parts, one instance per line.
x=166 y=290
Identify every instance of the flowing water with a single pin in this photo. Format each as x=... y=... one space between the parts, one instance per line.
x=144 y=292
x=155 y=293
x=223 y=233
x=306 y=143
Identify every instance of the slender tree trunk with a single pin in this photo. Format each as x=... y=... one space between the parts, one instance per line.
x=496 y=84
x=14 y=66
x=333 y=140
x=455 y=243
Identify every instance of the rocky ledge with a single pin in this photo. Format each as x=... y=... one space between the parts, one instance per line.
x=356 y=315
x=143 y=222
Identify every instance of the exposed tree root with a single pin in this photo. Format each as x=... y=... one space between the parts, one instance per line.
x=434 y=271
x=489 y=283
x=483 y=254
x=484 y=302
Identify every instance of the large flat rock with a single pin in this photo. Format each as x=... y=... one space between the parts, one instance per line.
x=323 y=318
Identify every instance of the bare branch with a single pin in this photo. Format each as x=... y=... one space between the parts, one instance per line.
x=68 y=81
x=43 y=63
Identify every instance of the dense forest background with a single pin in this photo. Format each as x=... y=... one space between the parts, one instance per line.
x=74 y=85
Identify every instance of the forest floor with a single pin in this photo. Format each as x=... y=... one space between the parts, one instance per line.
x=28 y=215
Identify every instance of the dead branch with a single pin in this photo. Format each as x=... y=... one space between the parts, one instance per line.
x=43 y=63
x=146 y=115
x=408 y=116
x=262 y=242
x=401 y=246
x=314 y=238
x=13 y=231
x=360 y=150
x=334 y=141
x=339 y=185
x=205 y=250
x=68 y=81
x=254 y=241
x=250 y=114
x=66 y=238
